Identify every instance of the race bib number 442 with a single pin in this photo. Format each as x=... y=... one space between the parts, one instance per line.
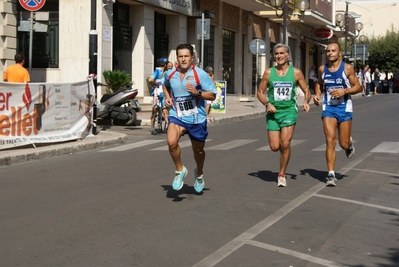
x=282 y=91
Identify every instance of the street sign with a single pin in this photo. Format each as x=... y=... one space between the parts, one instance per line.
x=207 y=29
x=257 y=46
x=361 y=50
x=32 y=5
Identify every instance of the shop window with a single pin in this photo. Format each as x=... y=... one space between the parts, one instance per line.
x=228 y=59
x=209 y=49
x=161 y=42
x=45 y=43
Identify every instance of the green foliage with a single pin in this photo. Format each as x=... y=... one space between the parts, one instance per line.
x=384 y=51
x=116 y=80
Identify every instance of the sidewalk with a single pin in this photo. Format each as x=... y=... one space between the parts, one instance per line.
x=237 y=108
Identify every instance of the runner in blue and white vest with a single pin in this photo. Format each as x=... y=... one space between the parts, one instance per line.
x=338 y=81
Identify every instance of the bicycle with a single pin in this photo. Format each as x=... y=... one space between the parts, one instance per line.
x=160 y=122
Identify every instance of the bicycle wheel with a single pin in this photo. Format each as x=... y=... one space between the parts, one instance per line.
x=159 y=119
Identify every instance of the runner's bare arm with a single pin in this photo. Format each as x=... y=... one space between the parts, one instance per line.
x=304 y=87
x=263 y=86
x=318 y=87
x=168 y=99
x=354 y=81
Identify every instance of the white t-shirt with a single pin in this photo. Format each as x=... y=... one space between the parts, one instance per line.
x=367 y=77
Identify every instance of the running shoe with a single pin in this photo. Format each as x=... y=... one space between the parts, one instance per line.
x=331 y=180
x=178 y=180
x=351 y=150
x=199 y=182
x=281 y=181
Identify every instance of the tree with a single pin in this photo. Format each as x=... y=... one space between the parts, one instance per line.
x=384 y=51
x=116 y=80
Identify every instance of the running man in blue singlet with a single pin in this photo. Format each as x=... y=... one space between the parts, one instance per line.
x=338 y=81
x=186 y=90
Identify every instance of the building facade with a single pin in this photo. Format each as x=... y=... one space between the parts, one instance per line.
x=132 y=34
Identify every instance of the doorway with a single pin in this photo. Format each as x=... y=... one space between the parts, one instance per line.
x=122 y=39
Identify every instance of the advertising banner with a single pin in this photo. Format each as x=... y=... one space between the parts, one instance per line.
x=219 y=104
x=44 y=112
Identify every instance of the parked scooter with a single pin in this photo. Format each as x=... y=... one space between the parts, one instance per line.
x=120 y=107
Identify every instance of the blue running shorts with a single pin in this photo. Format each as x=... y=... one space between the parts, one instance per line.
x=197 y=132
x=341 y=116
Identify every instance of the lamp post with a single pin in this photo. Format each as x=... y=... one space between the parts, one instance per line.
x=362 y=39
x=346 y=28
x=282 y=5
x=342 y=21
x=93 y=58
x=359 y=27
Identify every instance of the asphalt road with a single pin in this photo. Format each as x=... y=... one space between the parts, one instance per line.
x=114 y=206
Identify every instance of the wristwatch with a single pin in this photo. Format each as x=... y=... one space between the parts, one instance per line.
x=199 y=93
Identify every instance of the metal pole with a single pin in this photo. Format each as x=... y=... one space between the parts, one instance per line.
x=202 y=39
x=257 y=75
x=346 y=30
x=364 y=54
x=93 y=59
x=30 y=42
x=285 y=11
x=355 y=53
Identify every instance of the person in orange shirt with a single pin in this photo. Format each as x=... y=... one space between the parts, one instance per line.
x=16 y=73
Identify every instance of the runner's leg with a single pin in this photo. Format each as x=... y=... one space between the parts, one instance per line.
x=330 y=127
x=173 y=137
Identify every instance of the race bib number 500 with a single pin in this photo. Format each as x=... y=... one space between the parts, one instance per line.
x=282 y=91
x=186 y=106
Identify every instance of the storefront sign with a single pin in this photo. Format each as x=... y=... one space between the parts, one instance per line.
x=44 y=112
x=179 y=6
x=323 y=33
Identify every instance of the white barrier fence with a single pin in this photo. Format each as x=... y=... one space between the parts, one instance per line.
x=45 y=112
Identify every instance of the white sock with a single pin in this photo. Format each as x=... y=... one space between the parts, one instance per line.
x=331 y=173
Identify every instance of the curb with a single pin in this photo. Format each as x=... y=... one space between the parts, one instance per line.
x=47 y=151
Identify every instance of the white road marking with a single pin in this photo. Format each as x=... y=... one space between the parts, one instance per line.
x=132 y=145
x=359 y=203
x=245 y=237
x=293 y=143
x=232 y=144
x=383 y=173
x=296 y=254
x=386 y=147
x=183 y=144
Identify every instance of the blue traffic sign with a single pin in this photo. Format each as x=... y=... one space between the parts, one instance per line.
x=32 y=5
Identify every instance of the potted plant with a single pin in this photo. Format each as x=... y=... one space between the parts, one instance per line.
x=116 y=80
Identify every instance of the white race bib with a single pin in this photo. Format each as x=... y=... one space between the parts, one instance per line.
x=332 y=101
x=186 y=106
x=282 y=91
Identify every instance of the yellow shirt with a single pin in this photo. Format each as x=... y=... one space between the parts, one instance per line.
x=16 y=74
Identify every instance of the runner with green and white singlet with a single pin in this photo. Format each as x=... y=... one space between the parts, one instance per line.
x=281 y=106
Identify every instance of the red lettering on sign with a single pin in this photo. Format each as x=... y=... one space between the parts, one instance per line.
x=4 y=100
x=18 y=123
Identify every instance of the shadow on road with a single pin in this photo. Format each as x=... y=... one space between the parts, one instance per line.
x=269 y=176
x=176 y=195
